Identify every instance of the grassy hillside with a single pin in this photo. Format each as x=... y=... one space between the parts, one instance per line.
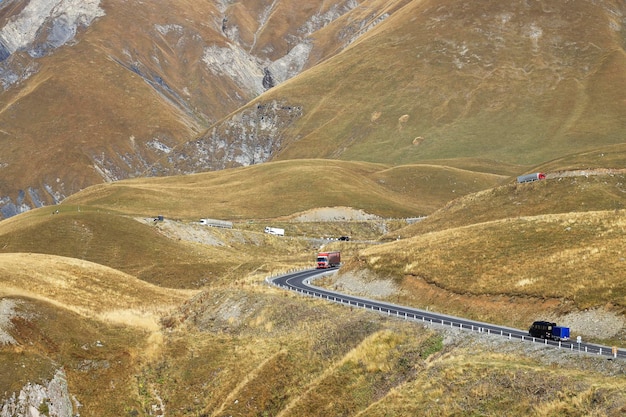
x=251 y=349
x=243 y=356
x=434 y=112
x=94 y=322
x=64 y=133
x=83 y=287
x=100 y=359
x=609 y=157
x=140 y=79
x=575 y=258
x=568 y=194
x=278 y=189
x=505 y=81
x=157 y=253
x=576 y=183
x=501 y=86
x=498 y=256
x=83 y=283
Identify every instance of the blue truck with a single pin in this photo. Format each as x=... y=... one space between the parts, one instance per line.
x=548 y=330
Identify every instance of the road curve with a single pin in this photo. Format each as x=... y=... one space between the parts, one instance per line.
x=300 y=281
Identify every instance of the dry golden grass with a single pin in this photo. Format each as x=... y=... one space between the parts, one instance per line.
x=466 y=382
x=278 y=189
x=242 y=348
x=468 y=94
x=598 y=191
x=86 y=275
x=165 y=253
x=504 y=101
x=247 y=349
x=510 y=271
x=98 y=323
x=613 y=156
x=89 y=289
x=286 y=360
x=319 y=359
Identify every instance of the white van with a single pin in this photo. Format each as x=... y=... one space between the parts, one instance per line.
x=275 y=231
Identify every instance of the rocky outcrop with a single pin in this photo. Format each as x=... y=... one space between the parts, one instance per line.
x=195 y=66
x=39 y=28
x=249 y=137
x=34 y=400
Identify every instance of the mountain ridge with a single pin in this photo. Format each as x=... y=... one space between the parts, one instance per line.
x=133 y=93
x=144 y=78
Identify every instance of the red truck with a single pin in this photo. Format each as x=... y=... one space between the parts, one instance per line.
x=328 y=259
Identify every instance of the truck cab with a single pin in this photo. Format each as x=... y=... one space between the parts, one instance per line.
x=328 y=260
x=322 y=261
x=542 y=329
x=549 y=330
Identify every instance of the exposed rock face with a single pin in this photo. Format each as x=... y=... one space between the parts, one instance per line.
x=39 y=28
x=291 y=64
x=249 y=137
x=151 y=88
x=195 y=65
x=7 y=311
x=34 y=400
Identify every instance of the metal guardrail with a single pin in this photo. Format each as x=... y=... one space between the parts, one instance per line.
x=450 y=322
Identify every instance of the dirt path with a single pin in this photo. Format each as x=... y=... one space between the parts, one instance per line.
x=584 y=173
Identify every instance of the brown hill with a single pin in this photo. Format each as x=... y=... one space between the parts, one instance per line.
x=387 y=191
x=74 y=300
x=99 y=93
x=393 y=82
x=516 y=82
x=446 y=102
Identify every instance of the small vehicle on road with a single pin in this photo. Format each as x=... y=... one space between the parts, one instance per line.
x=531 y=177
x=276 y=231
x=548 y=330
x=328 y=259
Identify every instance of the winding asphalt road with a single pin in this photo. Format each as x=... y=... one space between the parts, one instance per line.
x=300 y=281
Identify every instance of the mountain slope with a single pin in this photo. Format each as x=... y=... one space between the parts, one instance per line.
x=99 y=91
x=87 y=321
x=521 y=83
x=112 y=90
x=235 y=345
x=300 y=185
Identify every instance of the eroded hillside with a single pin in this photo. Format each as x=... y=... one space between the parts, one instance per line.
x=507 y=81
x=118 y=301
x=115 y=89
x=99 y=91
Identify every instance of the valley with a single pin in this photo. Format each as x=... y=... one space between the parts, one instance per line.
x=193 y=309
x=393 y=131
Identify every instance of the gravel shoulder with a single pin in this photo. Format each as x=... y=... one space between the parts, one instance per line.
x=596 y=323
